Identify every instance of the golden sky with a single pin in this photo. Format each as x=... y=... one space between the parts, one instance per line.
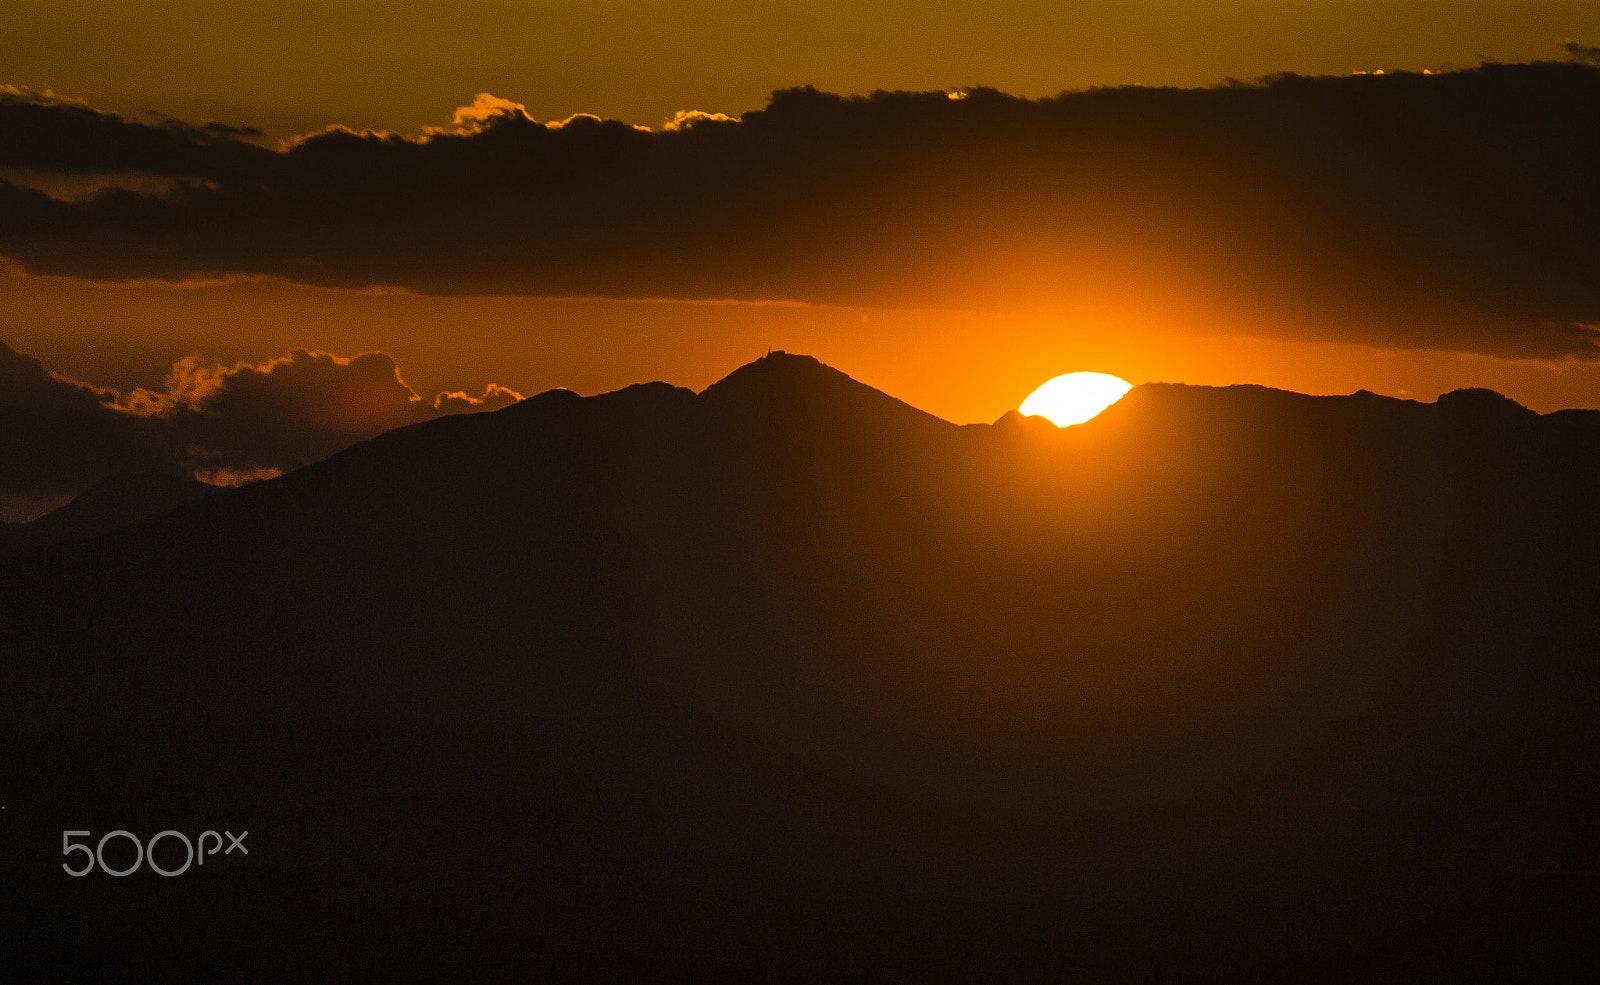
x=1409 y=235
x=289 y=67
x=963 y=366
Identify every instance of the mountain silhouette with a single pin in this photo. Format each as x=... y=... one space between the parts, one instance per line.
x=790 y=679
x=113 y=503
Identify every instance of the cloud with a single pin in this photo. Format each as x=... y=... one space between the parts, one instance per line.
x=1450 y=211
x=58 y=437
x=1582 y=53
x=494 y=398
x=287 y=412
x=224 y=424
x=484 y=109
x=685 y=119
x=45 y=132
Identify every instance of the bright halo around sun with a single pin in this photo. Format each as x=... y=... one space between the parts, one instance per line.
x=1075 y=397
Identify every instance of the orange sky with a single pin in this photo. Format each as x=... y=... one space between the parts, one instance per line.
x=963 y=366
x=290 y=67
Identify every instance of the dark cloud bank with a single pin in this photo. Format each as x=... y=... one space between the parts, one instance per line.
x=1455 y=211
x=59 y=437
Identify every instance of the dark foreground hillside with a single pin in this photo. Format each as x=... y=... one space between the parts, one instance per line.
x=788 y=680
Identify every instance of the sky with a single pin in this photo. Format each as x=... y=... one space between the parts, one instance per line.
x=950 y=203
x=290 y=67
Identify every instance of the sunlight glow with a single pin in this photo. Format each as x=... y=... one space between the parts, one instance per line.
x=1075 y=397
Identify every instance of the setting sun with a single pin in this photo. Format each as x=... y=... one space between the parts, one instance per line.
x=570 y=498
x=1075 y=397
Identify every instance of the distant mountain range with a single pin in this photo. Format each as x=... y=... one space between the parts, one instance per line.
x=790 y=679
x=106 y=506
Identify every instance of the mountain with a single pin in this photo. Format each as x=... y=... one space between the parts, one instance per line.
x=789 y=679
x=57 y=436
x=106 y=506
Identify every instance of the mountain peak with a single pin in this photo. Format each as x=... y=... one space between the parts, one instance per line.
x=780 y=368
x=1016 y=420
x=1482 y=403
x=787 y=385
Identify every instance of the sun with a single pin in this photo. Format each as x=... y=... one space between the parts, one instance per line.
x=1075 y=397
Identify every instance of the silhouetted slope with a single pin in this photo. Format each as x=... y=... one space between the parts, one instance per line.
x=788 y=678
x=783 y=395
x=59 y=437
x=116 y=502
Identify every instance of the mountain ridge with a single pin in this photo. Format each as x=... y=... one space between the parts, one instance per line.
x=776 y=471
x=708 y=682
